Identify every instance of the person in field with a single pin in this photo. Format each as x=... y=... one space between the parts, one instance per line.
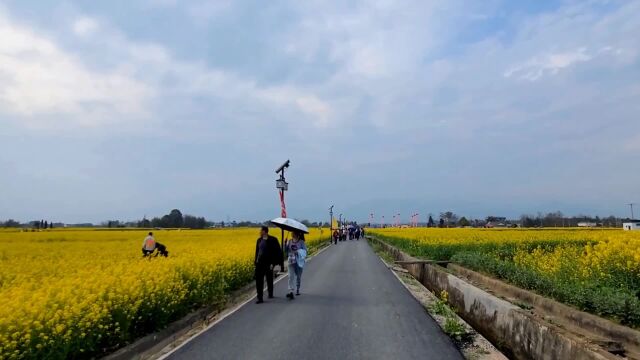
x=268 y=255
x=296 y=252
x=148 y=245
x=335 y=236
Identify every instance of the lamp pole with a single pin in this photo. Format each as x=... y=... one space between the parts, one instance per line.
x=631 y=206
x=282 y=186
x=331 y=224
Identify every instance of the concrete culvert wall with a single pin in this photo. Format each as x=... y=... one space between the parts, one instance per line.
x=516 y=332
x=599 y=327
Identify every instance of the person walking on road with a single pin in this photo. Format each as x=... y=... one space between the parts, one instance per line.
x=296 y=251
x=268 y=255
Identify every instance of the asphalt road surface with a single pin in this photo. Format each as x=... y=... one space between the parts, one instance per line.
x=351 y=307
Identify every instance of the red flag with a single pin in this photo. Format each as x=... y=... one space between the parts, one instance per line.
x=283 y=211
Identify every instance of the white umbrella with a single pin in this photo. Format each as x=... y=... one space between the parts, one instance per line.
x=290 y=225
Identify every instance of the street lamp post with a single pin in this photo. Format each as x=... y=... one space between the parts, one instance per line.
x=282 y=186
x=331 y=224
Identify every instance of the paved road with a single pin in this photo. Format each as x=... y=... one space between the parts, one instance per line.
x=351 y=307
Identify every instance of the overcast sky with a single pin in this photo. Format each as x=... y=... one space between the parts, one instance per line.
x=120 y=109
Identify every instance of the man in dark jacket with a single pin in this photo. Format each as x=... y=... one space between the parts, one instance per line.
x=268 y=255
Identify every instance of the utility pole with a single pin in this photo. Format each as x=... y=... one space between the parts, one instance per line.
x=631 y=206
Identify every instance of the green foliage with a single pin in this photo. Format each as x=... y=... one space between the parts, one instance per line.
x=617 y=303
x=455 y=329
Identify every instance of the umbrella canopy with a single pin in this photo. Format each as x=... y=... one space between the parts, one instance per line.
x=290 y=225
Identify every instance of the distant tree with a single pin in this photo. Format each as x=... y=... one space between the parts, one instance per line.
x=50 y=224
x=156 y=222
x=431 y=223
x=530 y=221
x=46 y=224
x=306 y=223
x=10 y=223
x=552 y=219
x=441 y=223
x=175 y=219
x=193 y=222
x=41 y=224
x=449 y=217
x=464 y=222
x=36 y=224
x=144 y=223
x=189 y=221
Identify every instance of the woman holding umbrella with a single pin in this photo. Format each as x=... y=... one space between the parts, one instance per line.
x=296 y=251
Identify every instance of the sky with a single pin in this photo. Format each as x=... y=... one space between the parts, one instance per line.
x=124 y=109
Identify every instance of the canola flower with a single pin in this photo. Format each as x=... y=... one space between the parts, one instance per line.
x=596 y=270
x=81 y=293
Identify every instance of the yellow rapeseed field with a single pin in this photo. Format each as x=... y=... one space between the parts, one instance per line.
x=597 y=270
x=597 y=252
x=78 y=293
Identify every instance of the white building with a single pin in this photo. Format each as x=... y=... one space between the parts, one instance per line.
x=631 y=225
x=587 y=224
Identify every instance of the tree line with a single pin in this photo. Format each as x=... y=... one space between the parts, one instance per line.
x=37 y=224
x=552 y=219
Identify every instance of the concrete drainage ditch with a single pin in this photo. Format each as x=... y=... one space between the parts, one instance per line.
x=521 y=333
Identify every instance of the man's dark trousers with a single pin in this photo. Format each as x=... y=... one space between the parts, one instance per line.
x=263 y=270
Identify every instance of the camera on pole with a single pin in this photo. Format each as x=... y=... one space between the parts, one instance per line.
x=281 y=183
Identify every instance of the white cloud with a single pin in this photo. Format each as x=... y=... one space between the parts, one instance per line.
x=367 y=39
x=85 y=26
x=538 y=66
x=38 y=78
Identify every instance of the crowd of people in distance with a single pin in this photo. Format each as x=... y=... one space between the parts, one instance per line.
x=348 y=232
